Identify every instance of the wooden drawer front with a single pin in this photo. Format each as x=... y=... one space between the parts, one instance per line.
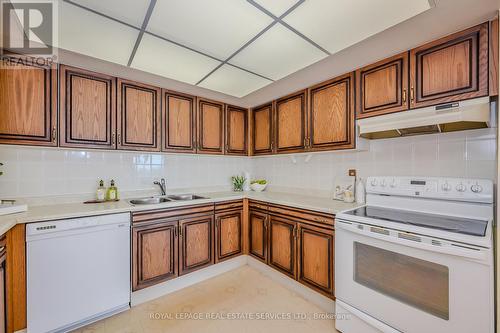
x=28 y=103
x=282 y=236
x=154 y=250
x=316 y=258
x=450 y=69
x=321 y=218
x=88 y=109
x=228 y=234
x=210 y=127
x=258 y=205
x=383 y=87
x=262 y=131
x=196 y=243
x=236 y=131
x=138 y=116
x=258 y=234
x=229 y=205
x=179 y=122
x=331 y=119
x=291 y=123
x=174 y=212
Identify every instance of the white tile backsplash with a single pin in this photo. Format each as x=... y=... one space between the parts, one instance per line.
x=33 y=172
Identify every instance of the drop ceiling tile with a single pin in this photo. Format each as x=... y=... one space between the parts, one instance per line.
x=129 y=11
x=217 y=27
x=338 y=24
x=278 y=53
x=277 y=7
x=234 y=81
x=160 y=57
x=82 y=31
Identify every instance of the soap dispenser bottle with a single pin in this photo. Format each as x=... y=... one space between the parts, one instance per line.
x=112 y=193
x=101 y=191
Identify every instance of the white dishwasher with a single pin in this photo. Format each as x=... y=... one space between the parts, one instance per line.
x=78 y=271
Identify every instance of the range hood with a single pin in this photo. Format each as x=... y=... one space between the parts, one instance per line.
x=454 y=116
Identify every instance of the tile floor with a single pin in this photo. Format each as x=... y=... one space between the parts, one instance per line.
x=244 y=291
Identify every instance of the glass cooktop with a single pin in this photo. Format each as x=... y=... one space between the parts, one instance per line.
x=440 y=222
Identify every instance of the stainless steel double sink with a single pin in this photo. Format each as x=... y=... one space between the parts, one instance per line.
x=168 y=198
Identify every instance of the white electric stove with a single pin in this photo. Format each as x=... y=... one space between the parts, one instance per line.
x=418 y=257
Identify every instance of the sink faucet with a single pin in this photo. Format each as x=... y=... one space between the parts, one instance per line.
x=163 y=186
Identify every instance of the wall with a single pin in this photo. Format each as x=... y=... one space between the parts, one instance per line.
x=460 y=154
x=32 y=172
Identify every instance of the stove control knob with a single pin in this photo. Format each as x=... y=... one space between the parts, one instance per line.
x=461 y=187
x=382 y=183
x=374 y=182
x=446 y=187
x=394 y=183
x=476 y=188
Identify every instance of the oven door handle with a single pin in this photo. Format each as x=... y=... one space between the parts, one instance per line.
x=456 y=250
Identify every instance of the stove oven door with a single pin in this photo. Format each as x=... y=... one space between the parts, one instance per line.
x=403 y=284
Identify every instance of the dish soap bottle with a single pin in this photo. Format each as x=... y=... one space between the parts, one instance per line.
x=360 y=192
x=112 y=193
x=101 y=191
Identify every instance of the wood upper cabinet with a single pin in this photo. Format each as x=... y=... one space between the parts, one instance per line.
x=228 y=234
x=28 y=103
x=87 y=109
x=154 y=254
x=331 y=114
x=139 y=116
x=210 y=127
x=236 y=131
x=382 y=87
x=282 y=244
x=291 y=123
x=450 y=69
x=179 y=122
x=262 y=130
x=257 y=224
x=196 y=243
x=316 y=258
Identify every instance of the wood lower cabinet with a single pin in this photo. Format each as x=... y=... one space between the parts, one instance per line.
x=87 y=109
x=382 y=87
x=179 y=122
x=236 y=131
x=262 y=130
x=316 y=257
x=450 y=69
x=28 y=103
x=282 y=244
x=228 y=231
x=196 y=247
x=331 y=114
x=154 y=253
x=210 y=127
x=258 y=224
x=291 y=123
x=139 y=116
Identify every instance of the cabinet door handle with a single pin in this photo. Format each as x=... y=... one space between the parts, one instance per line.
x=404 y=96
x=176 y=231
x=119 y=138
x=412 y=94
x=113 y=139
x=54 y=134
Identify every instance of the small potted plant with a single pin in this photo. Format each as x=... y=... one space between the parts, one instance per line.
x=238 y=182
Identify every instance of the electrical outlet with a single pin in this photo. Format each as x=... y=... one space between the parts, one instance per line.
x=352 y=172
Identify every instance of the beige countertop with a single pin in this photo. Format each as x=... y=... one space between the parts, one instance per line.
x=38 y=213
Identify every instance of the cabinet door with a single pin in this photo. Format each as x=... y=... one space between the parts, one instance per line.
x=236 y=131
x=28 y=109
x=291 y=123
x=257 y=222
x=88 y=109
x=316 y=258
x=450 y=69
x=331 y=115
x=282 y=245
x=196 y=243
x=210 y=127
x=179 y=122
x=228 y=235
x=262 y=130
x=383 y=87
x=154 y=254
x=138 y=116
